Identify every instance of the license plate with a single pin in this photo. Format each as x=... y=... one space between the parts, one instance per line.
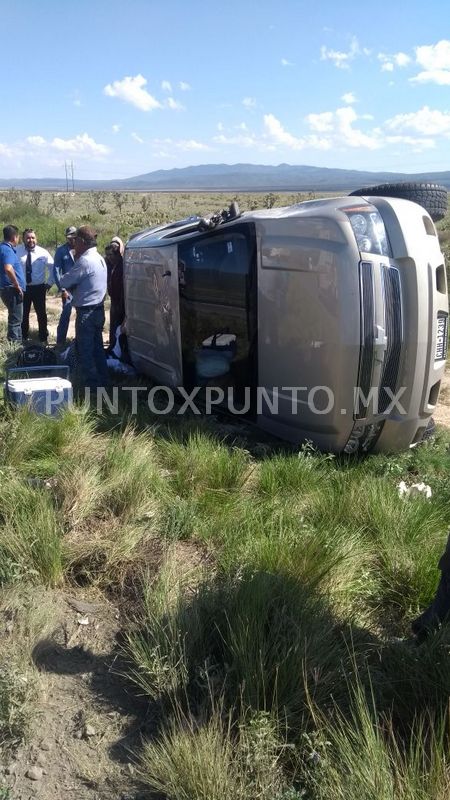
x=441 y=338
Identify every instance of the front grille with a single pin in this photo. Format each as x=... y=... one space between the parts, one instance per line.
x=393 y=328
x=367 y=339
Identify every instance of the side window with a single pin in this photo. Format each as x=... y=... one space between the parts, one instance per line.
x=214 y=269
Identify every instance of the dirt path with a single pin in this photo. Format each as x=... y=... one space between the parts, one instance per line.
x=53 y=315
x=86 y=721
x=442 y=413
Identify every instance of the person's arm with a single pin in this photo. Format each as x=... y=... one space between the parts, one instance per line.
x=73 y=276
x=57 y=266
x=50 y=272
x=10 y=272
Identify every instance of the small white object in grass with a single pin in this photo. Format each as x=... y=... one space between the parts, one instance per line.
x=83 y=620
x=414 y=490
x=402 y=489
x=420 y=488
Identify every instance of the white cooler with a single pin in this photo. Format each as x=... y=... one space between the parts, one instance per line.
x=45 y=395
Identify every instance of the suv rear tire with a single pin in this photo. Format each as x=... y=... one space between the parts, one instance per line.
x=431 y=196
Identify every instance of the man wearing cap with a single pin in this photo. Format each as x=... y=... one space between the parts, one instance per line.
x=37 y=266
x=87 y=282
x=64 y=259
x=12 y=282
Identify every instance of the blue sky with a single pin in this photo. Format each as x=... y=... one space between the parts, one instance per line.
x=124 y=88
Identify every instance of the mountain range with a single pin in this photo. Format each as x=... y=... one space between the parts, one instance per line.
x=236 y=177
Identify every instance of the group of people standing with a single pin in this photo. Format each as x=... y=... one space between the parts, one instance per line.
x=82 y=275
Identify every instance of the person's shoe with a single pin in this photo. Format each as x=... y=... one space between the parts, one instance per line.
x=437 y=612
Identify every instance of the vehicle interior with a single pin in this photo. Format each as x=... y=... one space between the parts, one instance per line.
x=218 y=320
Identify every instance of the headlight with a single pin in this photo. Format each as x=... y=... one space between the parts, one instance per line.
x=369 y=230
x=358 y=223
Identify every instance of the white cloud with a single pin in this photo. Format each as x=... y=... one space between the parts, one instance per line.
x=191 y=144
x=285 y=63
x=349 y=97
x=77 y=102
x=186 y=145
x=137 y=138
x=81 y=144
x=427 y=121
x=345 y=117
x=166 y=86
x=439 y=76
x=279 y=135
x=339 y=131
x=174 y=105
x=249 y=102
x=6 y=151
x=220 y=126
x=185 y=87
x=132 y=90
x=239 y=140
x=435 y=60
x=434 y=56
x=417 y=145
x=36 y=141
x=402 y=60
x=321 y=122
x=341 y=59
x=116 y=128
x=389 y=62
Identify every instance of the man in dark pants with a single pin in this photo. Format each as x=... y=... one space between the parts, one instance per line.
x=63 y=261
x=87 y=283
x=439 y=610
x=37 y=265
x=12 y=282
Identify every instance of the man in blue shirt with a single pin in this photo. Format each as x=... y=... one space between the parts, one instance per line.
x=12 y=282
x=63 y=261
x=87 y=281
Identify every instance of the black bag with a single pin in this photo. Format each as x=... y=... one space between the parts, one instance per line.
x=36 y=355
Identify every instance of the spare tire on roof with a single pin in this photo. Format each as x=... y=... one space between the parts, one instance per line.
x=431 y=196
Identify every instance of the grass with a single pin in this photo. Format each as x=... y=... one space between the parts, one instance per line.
x=14 y=697
x=313 y=564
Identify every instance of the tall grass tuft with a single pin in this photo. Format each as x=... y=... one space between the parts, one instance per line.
x=362 y=756
x=30 y=534
x=260 y=637
x=215 y=760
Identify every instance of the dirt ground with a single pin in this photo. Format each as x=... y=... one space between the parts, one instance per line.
x=86 y=721
x=442 y=413
x=53 y=315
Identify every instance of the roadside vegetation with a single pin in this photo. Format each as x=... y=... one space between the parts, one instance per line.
x=266 y=595
x=121 y=213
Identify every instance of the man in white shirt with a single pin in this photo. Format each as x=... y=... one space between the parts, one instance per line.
x=37 y=265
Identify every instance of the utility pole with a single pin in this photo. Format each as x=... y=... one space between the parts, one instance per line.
x=73 y=182
x=67 y=177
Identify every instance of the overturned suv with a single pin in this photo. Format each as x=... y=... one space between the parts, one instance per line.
x=325 y=321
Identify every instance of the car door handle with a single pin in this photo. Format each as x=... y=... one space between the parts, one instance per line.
x=167 y=274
